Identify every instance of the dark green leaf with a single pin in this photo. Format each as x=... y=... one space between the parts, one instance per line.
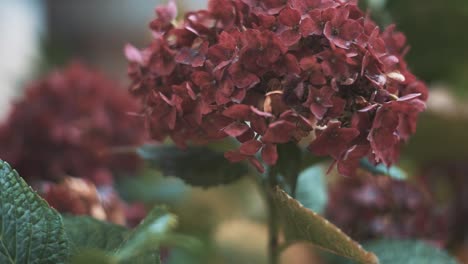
x=302 y=224
x=86 y=232
x=408 y=252
x=289 y=164
x=312 y=189
x=197 y=166
x=30 y=231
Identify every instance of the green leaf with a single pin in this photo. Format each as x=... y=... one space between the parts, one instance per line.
x=94 y=256
x=393 y=172
x=30 y=231
x=197 y=166
x=312 y=189
x=289 y=164
x=152 y=188
x=377 y=4
x=178 y=256
x=145 y=240
x=89 y=233
x=107 y=243
x=408 y=252
x=145 y=257
x=302 y=224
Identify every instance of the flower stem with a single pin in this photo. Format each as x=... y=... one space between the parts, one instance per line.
x=273 y=227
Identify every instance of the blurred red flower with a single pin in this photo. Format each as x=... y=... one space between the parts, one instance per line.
x=369 y=207
x=67 y=124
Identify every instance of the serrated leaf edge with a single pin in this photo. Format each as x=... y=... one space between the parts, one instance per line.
x=12 y=174
x=369 y=257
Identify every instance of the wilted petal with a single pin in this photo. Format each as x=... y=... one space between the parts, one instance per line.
x=290 y=37
x=409 y=97
x=133 y=54
x=167 y=12
x=241 y=77
x=250 y=147
x=236 y=129
x=310 y=27
x=270 y=154
x=237 y=111
x=234 y=156
x=350 y=161
x=279 y=132
x=289 y=17
x=259 y=124
x=248 y=135
x=333 y=141
x=260 y=113
x=256 y=163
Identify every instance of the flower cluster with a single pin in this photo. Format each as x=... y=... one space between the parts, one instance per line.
x=67 y=124
x=267 y=72
x=370 y=207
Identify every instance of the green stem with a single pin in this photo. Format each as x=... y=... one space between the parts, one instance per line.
x=273 y=227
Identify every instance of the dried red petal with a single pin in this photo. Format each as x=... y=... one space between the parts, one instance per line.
x=289 y=17
x=236 y=129
x=237 y=111
x=349 y=163
x=250 y=147
x=333 y=141
x=234 y=156
x=279 y=132
x=270 y=154
x=256 y=163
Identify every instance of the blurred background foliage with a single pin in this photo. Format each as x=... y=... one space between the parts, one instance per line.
x=230 y=219
x=436 y=36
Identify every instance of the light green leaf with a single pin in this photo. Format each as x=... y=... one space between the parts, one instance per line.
x=30 y=231
x=145 y=240
x=178 y=256
x=408 y=252
x=89 y=233
x=151 y=187
x=302 y=224
x=393 y=171
x=106 y=243
x=312 y=189
x=144 y=257
x=197 y=166
x=93 y=256
x=377 y=4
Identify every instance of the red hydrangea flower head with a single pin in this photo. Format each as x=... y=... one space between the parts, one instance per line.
x=270 y=72
x=67 y=125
